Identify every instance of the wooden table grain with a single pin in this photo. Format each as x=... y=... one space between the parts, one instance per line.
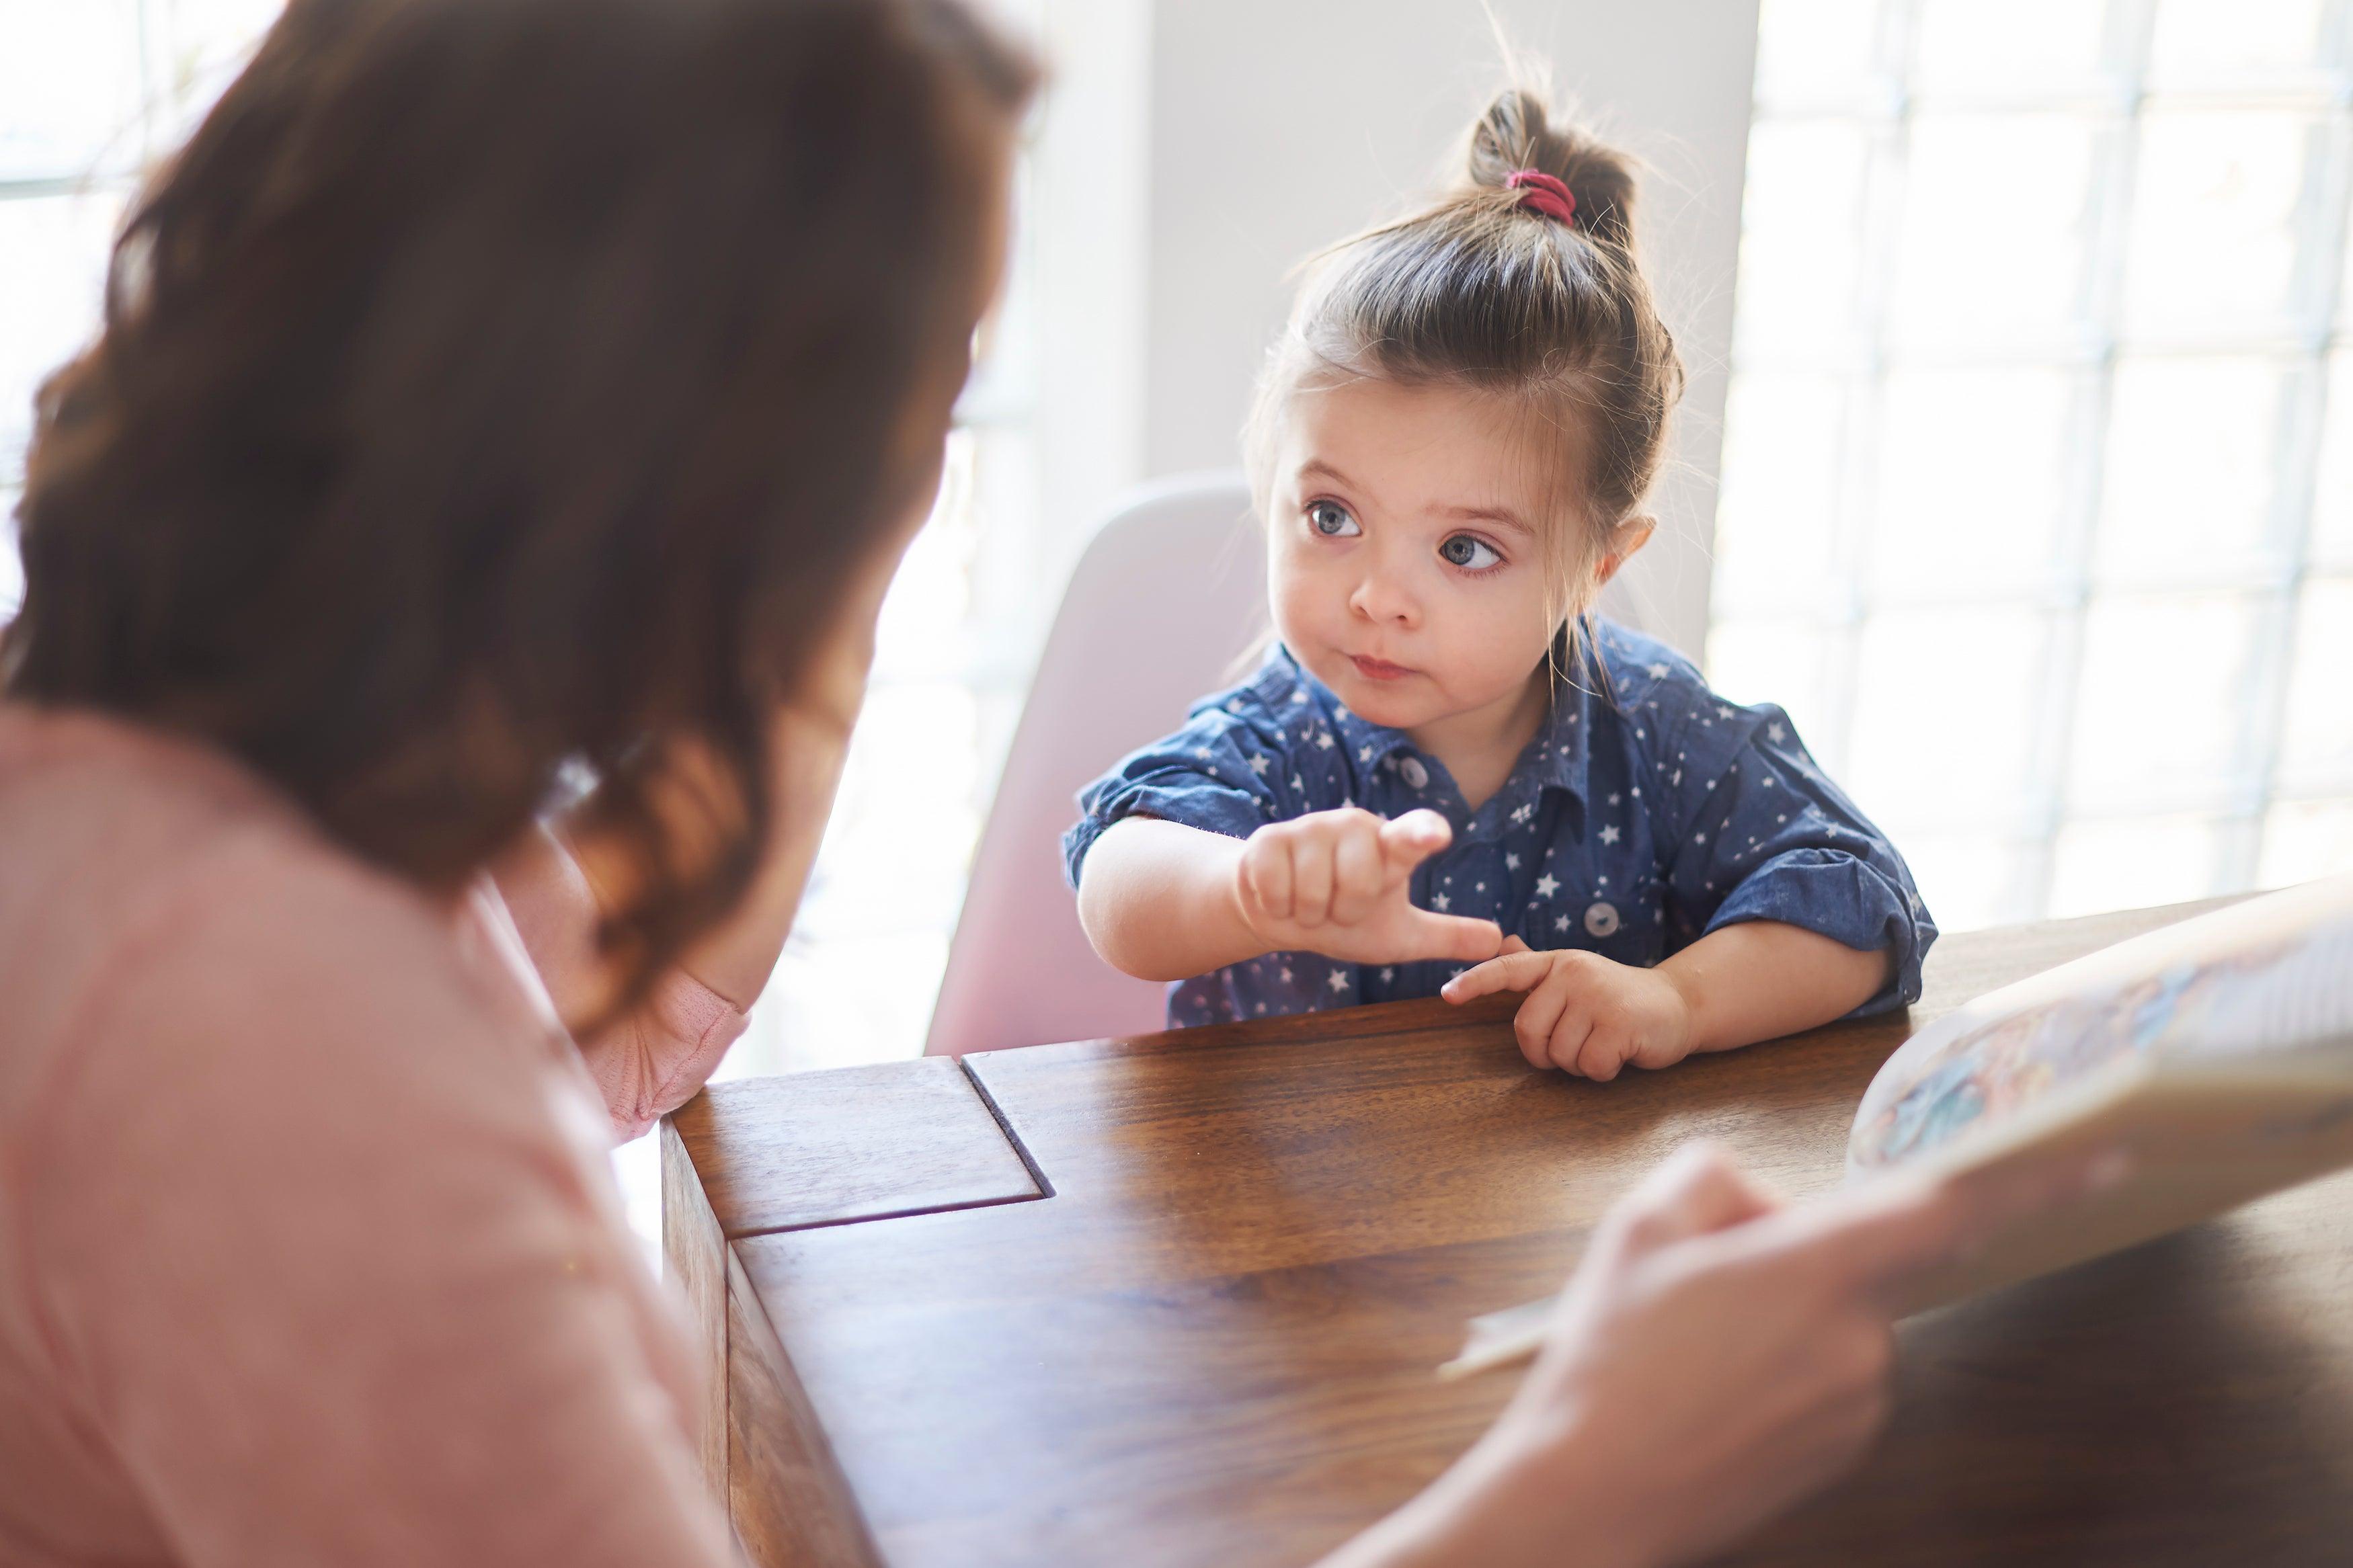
x=1177 y=1300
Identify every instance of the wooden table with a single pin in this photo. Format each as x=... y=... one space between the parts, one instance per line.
x=1177 y=1300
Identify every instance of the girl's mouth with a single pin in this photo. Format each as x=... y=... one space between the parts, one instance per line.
x=1377 y=668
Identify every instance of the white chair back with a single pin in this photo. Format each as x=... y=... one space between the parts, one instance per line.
x=1170 y=593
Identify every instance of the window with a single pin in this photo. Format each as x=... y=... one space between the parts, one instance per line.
x=2037 y=505
x=88 y=93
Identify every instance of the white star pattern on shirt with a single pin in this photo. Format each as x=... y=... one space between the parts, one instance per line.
x=1365 y=753
x=1324 y=738
x=1614 y=798
x=1657 y=672
x=1560 y=922
x=1299 y=783
x=1387 y=974
x=1699 y=838
x=1439 y=903
x=1609 y=834
x=1258 y=765
x=1339 y=980
x=1286 y=973
x=1547 y=885
x=1511 y=862
x=1202 y=752
x=1722 y=711
x=1774 y=732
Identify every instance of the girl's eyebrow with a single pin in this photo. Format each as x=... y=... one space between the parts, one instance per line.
x=1510 y=519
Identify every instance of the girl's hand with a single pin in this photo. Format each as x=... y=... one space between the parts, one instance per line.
x=1585 y=1014
x=1340 y=883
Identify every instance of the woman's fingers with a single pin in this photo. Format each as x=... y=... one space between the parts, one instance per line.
x=1696 y=1191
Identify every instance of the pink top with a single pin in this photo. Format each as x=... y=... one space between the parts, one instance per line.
x=309 y=1248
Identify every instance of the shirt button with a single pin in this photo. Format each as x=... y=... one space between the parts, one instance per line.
x=1415 y=776
x=1601 y=919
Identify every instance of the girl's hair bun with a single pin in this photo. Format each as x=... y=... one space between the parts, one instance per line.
x=1516 y=131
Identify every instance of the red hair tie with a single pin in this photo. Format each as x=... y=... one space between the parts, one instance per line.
x=1545 y=194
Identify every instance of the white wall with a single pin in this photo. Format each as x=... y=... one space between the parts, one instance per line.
x=1276 y=126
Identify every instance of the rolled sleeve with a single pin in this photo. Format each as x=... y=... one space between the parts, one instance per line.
x=1845 y=899
x=1759 y=832
x=1220 y=773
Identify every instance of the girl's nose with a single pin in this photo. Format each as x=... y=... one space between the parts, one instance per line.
x=1379 y=597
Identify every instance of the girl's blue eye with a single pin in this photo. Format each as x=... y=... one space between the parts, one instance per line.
x=1471 y=554
x=1332 y=521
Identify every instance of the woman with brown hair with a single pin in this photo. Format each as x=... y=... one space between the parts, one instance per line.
x=508 y=413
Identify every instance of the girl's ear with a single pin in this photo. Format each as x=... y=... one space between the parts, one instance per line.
x=1629 y=536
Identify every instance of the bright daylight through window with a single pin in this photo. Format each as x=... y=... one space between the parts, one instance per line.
x=2038 y=479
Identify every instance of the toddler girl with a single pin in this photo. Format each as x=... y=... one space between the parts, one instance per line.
x=1448 y=777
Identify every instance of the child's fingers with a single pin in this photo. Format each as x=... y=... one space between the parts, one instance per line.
x=1359 y=873
x=1602 y=1054
x=1514 y=971
x=1407 y=841
x=1457 y=937
x=1550 y=1028
x=1311 y=881
x=1266 y=871
x=1514 y=944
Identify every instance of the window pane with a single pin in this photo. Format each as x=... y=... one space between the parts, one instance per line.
x=1944 y=704
x=53 y=256
x=1801 y=235
x=1782 y=661
x=2207 y=42
x=2164 y=691
x=70 y=92
x=2332 y=499
x=2316 y=749
x=1808 y=49
x=2008 y=45
x=2192 y=464
x=1968 y=881
x=2305 y=839
x=2134 y=862
x=1778 y=511
x=1972 y=480
x=1960 y=277
x=201 y=46
x=2213 y=232
x=12 y=571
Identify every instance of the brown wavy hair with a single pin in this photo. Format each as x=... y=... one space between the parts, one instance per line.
x=493 y=388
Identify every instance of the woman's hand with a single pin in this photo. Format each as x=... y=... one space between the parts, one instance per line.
x=1716 y=1357
x=1340 y=883
x=1585 y=1014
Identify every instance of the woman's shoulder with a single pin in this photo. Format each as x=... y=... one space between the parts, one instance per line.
x=163 y=898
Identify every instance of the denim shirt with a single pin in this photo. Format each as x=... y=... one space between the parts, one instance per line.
x=1646 y=813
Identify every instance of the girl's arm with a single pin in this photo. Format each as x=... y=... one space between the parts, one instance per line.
x=1761 y=979
x=1164 y=902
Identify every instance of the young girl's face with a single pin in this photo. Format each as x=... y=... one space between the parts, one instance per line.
x=1403 y=555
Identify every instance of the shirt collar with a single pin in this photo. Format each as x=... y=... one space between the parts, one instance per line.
x=1560 y=763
